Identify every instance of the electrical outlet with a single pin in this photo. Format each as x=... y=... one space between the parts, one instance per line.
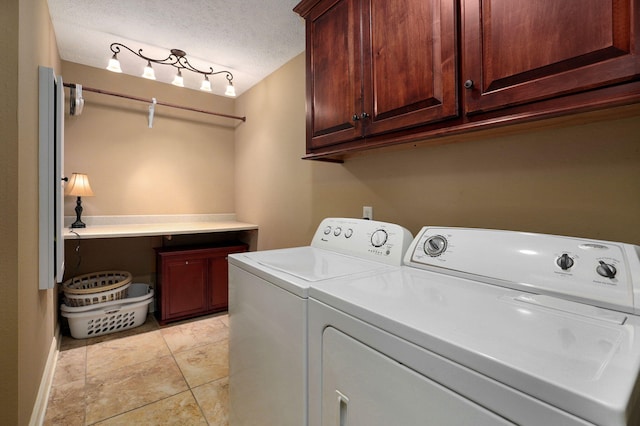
x=367 y=212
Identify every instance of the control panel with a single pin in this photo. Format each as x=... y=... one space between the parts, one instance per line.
x=367 y=239
x=601 y=273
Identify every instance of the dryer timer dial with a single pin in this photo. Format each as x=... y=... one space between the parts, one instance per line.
x=435 y=245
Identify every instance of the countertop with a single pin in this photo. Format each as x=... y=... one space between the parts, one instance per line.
x=151 y=225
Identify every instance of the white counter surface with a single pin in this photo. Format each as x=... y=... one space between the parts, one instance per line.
x=143 y=226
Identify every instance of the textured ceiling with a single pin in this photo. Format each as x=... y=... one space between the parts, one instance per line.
x=250 y=38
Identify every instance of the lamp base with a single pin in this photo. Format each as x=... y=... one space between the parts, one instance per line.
x=78 y=223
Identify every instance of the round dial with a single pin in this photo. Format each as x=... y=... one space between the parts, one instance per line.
x=379 y=238
x=348 y=233
x=327 y=230
x=606 y=270
x=337 y=231
x=565 y=261
x=435 y=246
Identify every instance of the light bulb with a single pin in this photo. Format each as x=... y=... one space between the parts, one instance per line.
x=206 y=84
x=231 y=91
x=114 y=64
x=178 y=80
x=148 y=72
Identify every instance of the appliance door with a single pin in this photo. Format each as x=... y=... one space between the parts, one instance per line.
x=267 y=352
x=361 y=386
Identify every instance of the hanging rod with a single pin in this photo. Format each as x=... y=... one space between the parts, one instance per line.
x=135 y=98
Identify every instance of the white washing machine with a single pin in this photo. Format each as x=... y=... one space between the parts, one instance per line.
x=481 y=327
x=268 y=313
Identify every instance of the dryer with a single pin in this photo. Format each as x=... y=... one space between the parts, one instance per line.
x=481 y=327
x=268 y=312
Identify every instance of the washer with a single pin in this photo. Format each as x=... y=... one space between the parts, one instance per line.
x=268 y=313
x=481 y=327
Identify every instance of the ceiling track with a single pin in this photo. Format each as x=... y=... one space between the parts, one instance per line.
x=135 y=98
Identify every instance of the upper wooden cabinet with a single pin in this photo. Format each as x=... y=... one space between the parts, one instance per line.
x=378 y=65
x=382 y=72
x=520 y=51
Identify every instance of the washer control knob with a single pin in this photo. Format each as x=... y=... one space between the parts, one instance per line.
x=435 y=245
x=565 y=261
x=337 y=231
x=379 y=238
x=348 y=233
x=327 y=230
x=606 y=270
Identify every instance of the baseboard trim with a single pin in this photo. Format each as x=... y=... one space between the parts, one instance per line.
x=40 y=406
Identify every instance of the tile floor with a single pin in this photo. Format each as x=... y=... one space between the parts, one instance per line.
x=151 y=375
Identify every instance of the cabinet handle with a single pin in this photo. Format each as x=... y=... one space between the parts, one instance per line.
x=186 y=262
x=364 y=115
x=468 y=84
x=355 y=117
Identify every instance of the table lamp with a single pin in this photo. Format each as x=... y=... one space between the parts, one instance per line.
x=79 y=186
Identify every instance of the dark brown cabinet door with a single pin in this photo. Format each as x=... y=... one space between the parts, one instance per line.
x=184 y=290
x=219 y=286
x=411 y=61
x=334 y=91
x=519 y=51
x=376 y=66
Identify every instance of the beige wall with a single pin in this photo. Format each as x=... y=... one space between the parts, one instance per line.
x=275 y=187
x=27 y=315
x=579 y=178
x=184 y=164
x=9 y=270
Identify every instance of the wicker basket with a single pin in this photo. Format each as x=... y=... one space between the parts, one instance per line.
x=97 y=287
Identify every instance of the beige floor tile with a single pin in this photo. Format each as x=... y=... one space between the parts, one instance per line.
x=213 y=398
x=204 y=363
x=225 y=319
x=189 y=335
x=66 y=405
x=127 y=351
x=70 y=366
x=118 y=391
x=180 y=409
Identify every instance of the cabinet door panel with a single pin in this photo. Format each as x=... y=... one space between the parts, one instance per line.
x=520 y=51
x=185 y=287
x=336 y=86
x=219 y=288
x=412 y=61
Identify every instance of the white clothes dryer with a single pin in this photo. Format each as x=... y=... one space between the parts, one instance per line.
x=481 y=327
x=268 y=313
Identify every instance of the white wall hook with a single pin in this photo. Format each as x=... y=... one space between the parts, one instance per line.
x=152 y=108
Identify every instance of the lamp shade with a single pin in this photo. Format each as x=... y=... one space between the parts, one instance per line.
x=79 y=185
x=114 y=64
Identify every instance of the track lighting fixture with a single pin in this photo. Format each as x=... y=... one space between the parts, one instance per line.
x=178 y=59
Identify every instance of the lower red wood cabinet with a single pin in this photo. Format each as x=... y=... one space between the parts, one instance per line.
x=192 y=281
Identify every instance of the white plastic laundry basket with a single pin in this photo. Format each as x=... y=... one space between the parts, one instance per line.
x=109 y=317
